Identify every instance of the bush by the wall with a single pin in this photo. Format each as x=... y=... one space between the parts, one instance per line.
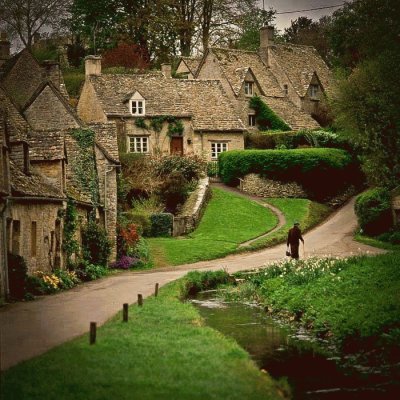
x=96 y=247
x=161 y=224
x=321 y=172
x=17 y=276
x=373 y=210
x=265 y=117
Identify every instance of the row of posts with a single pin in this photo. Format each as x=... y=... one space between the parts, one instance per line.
x=93 y=325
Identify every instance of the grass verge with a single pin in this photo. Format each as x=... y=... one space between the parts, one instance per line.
x=376 y=243
x=228 y=221
x=307 y=212
x=163 y=352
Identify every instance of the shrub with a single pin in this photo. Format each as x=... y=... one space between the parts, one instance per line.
x=17 y=276
x=89 y=272
x=190 y=166
x=142 y=251
x=308 y=167
x=195 y=281
x=127 y=238
x=373 y=210
x=393 y=236
x=96 y=247
x=265 y=117
x=126 y=262
x=161 y=224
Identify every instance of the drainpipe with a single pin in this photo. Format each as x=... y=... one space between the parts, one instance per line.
x=107 y=169
x=5 y=247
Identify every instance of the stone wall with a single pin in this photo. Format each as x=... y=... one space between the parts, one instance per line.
x=53 y=170
x=3 y=275
x=258 y=186
x=193 y=209
x=89 y=108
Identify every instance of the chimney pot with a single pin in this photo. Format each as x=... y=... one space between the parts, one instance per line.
x=93 y=65
x=166 y=69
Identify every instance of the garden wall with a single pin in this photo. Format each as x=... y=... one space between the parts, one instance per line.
x=258 y=186
x=193 y=209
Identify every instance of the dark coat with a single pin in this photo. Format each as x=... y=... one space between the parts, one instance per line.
x=294 y=236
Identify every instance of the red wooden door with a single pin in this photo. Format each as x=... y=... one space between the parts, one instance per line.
x=177 y=145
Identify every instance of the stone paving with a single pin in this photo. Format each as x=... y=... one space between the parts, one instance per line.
x=28 y=329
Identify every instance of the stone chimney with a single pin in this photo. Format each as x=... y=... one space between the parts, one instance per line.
x=4 y=48
x=266 y=40
x=93 y=65
x=166 y=69
x=52 y=71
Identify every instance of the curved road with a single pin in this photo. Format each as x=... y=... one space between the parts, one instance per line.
x=31 y=328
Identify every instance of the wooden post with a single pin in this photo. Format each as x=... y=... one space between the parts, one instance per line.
x=93 y=327
x=125 y=312
x=140 y=300
x=156 y=290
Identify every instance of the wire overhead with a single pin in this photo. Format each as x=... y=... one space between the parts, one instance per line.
x=309 y=9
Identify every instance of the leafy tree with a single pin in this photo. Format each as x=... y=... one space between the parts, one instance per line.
x=126 y=55
x=25 y=18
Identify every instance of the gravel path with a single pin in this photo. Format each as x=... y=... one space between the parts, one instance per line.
x=28 y=329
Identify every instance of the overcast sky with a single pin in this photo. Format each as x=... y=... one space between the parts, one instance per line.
x=283 y=21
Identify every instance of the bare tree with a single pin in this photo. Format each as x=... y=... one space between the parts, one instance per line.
x=25 y=18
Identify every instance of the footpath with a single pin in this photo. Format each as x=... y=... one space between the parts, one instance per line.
x=28 y=329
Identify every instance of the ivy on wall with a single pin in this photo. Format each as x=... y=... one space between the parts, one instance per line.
x=70 y=216
x=175 y=126
x=266 y=119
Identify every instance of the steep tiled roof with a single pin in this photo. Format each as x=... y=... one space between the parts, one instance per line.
x=300 y=62
x=192 y=63
x=31 y=185
x=234 y=64
x=46 y=145
x=106 y=139
x=18 y=126
x=203 y=100
x=287 y=111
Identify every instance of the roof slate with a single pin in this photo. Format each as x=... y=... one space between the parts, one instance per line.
x=204 y=101
x=300 y=62
x=46 y=145
x=106 y=139
x=192 y=63
x=235 y=63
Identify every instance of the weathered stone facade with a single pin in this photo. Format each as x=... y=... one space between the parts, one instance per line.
x=258 y=186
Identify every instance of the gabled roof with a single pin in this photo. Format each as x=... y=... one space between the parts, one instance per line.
x=300 y=63
x=192 y=63
x=106 y=140
x=33 y=185
x=47 y=145
x=202 y=100
x=234 y=64
x=289 y=113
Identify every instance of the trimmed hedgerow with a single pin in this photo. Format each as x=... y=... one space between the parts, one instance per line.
x=321 y=172
x=373 y=210
x=265 y=117
x=161 y=224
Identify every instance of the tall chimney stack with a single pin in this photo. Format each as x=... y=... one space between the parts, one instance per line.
x=93 y=65
x=266 y=40
x=166 y=69
x=5 y=46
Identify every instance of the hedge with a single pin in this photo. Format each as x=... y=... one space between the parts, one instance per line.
x=322 y=172
x=265 y=117
x=161 y=224
x=373 y=210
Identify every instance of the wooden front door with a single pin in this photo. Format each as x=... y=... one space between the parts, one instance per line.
x=177 y=145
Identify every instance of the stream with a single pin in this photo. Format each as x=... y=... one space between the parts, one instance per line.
x=311 y=366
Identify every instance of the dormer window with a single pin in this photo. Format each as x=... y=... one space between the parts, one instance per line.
x=314 y=91
x=248 y=88
x=137 y=104
x=285 y=89
x=137 y=107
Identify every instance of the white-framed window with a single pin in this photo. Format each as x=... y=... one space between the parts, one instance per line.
x=314 y=91
x=252 y=120
x=216 y=148
x=137 y=107
x=248 y=88
x=286 y=89
x=138 y=144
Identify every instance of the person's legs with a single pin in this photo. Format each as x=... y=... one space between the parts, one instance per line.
x=294 y=251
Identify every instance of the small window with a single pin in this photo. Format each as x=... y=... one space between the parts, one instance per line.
x=313 y=91
x=33 y=238
x=16 y=237
x=252 y=120
x=286 y=89
x=137 y=107
x=248 y=88
x=216 y=148
x=138 y=144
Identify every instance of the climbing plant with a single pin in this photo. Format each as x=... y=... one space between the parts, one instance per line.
x=70 y=215
x=265 y=117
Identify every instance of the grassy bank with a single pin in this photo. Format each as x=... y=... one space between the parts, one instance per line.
x=228 y=220
x=357 y=298
x=163 y=352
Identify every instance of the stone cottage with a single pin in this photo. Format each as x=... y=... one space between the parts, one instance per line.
x=291 y=80
x=156 y=114
x=43 y=163
x=187 y=67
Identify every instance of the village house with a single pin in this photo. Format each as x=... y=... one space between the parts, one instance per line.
x=44 y=163
x=291 y=80
x=156 y=114
x=187 y=67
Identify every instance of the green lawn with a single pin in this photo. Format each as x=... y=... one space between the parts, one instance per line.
x=163 y=352
x=376 y=243
x=228 y=220
x=305 y=211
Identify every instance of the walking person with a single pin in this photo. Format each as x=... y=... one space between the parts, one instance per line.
x=293 y=239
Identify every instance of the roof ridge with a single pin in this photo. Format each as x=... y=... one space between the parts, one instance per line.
x=236 y=50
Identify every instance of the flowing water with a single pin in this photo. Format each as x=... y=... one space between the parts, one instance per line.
x=310 y=366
